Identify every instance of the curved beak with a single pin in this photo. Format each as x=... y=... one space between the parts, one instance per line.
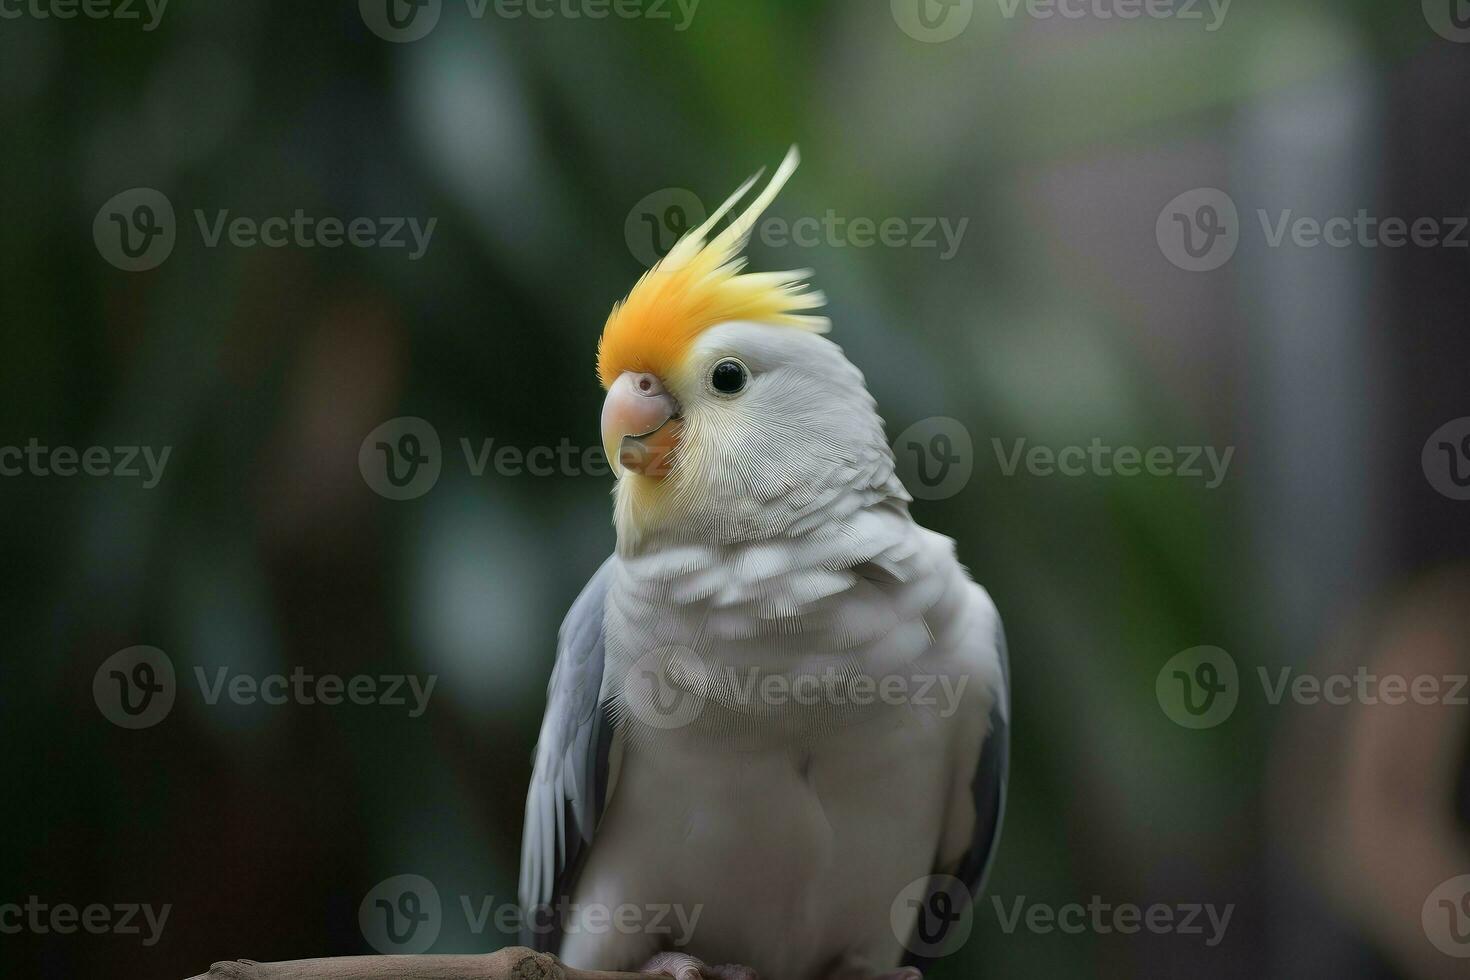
x=640 y=425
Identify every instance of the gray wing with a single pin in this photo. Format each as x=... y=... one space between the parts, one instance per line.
x=569 y=782
x=988 y=789
x=991 y=775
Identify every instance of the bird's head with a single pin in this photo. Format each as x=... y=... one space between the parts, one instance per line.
x=729 y=417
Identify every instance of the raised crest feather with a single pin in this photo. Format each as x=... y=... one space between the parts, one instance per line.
x=701 y=283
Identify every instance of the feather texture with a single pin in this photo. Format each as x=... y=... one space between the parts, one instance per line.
x=701 y=283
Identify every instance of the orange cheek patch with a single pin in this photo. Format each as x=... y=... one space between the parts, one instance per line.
x=653 y=454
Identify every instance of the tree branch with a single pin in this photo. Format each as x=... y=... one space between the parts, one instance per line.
x=511 y=963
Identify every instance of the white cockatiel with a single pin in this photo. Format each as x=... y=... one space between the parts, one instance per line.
x=777 y=727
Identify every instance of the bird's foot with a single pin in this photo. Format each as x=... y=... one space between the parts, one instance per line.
x=683 y=967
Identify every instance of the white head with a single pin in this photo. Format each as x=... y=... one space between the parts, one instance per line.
x=728 y=416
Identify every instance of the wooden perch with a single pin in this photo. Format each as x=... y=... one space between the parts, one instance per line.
x=511 y=963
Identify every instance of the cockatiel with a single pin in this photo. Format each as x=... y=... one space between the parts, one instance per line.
x=780 y=708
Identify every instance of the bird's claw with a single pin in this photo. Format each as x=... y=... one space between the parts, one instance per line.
x=681 y=966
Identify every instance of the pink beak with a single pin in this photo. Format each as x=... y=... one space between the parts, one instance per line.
x=640 y=425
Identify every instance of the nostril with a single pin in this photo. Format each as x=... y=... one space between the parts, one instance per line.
x=648 y=384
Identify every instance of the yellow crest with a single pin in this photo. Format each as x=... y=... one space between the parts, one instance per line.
x=700 y=284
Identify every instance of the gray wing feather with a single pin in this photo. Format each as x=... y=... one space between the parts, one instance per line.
x=569 y=782
x=991 y=776
x=988 y=790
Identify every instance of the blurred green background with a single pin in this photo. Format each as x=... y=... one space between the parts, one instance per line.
x=537 y=146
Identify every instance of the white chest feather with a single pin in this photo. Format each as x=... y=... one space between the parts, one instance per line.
x=792 y=729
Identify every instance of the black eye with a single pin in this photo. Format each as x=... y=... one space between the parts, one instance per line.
x=728 y=377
